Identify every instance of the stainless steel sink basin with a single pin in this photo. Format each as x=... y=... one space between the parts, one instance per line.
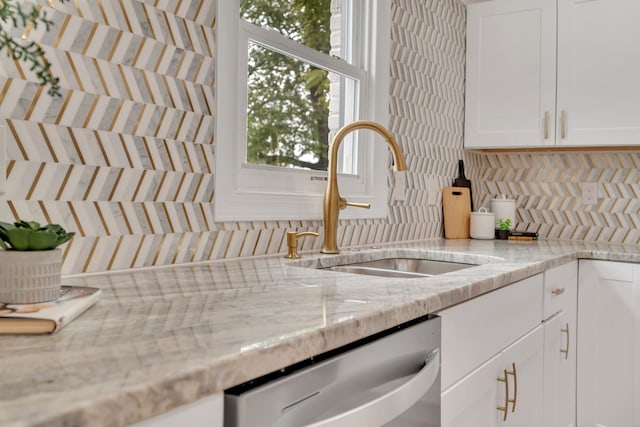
x=401 y=267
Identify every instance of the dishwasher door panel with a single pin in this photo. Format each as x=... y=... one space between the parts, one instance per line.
x=375 y=384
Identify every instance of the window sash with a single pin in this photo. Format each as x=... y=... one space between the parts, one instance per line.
x=265 y=178
x=276 y=41
x=273 y=40
x=244 y=192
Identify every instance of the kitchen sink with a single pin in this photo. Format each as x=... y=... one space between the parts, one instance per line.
x=401 y=267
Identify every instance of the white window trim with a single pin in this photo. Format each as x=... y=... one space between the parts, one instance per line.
x=243 y=198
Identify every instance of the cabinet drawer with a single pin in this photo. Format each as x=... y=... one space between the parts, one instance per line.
x=560 y=285
x=609 y=270
x=474 y=331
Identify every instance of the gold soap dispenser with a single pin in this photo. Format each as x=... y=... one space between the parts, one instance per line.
x=292 y=242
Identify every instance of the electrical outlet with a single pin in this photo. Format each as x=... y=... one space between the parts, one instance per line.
x=589 y=193
x=433 y=190
x=399 y=192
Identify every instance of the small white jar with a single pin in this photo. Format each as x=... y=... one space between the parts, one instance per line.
x=482 y=224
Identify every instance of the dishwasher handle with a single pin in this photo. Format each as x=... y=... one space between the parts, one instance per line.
x=391 y=405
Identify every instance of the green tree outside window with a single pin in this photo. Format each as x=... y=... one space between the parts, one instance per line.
x=288 y=99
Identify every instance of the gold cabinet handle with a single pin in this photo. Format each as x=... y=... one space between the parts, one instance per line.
x=558 y=291
x=515 y=387
x=563 y=124
x=546 y=125
x=292 y=242
x=505 y=408
x=565 y=350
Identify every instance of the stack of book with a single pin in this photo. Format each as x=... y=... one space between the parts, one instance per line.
x=47 y=317
x=523 y=235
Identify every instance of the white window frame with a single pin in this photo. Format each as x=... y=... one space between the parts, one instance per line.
x=255 y=192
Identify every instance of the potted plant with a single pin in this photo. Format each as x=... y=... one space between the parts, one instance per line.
x=504 y=225
x=30 y=263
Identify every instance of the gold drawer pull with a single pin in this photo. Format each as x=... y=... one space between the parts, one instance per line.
x=558 y=291
x=563 y=124
x=515 y=386
x=565 y=350
x=505 y=408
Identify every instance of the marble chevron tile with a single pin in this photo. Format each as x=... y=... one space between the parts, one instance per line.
x=125 y=157
x=547 y=188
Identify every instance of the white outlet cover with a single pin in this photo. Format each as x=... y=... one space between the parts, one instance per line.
x=433 y=191
x=589 y=193
x=399 y=193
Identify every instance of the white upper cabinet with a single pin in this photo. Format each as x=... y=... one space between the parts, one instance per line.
x=522 y=91
x=598 y=72
x=511 y=73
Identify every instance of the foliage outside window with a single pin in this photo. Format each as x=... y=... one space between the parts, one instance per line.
x=13 y=15
x=288 y=99
x=287 y=126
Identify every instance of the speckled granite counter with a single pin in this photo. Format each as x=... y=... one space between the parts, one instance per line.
x=168 y=336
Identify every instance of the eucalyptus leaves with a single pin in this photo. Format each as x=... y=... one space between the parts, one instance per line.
x=13 y=13
x=31 y=236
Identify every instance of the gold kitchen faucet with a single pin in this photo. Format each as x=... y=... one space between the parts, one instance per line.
x=333 y=202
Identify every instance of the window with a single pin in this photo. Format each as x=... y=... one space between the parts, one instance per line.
x=289 y=74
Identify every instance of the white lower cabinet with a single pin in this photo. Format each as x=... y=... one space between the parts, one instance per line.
x=506 y=390
x=559 y=372
x=609 y=344
x=513 y=348
x=560 y=319
x=492 y=358
x=207 y=411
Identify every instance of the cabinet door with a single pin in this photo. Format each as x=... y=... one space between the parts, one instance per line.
x=559 y=371
x=473 y=400
x=526 y=355
x=598 y=69
x=511 y=73
x=476 y=330
x=608 y=344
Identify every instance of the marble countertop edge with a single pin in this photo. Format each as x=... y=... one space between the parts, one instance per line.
x=267 y=310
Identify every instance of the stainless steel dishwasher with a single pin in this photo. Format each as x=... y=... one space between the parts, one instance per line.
x=389 y=379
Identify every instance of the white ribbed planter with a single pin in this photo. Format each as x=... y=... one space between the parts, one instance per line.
x=28 y=277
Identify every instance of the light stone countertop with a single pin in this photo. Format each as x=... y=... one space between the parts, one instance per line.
x=163 y=337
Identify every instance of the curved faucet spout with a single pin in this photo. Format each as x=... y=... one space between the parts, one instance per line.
x=332 y=200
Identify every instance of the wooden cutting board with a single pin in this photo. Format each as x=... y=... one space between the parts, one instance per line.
x=456 y=208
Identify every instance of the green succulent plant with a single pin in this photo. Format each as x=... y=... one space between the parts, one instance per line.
x=504 y=224
x=31 y=236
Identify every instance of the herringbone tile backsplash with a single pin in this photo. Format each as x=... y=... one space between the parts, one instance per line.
x=548 y=192
x=125 y=156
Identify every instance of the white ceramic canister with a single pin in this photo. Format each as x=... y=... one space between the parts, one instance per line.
x=482 y=224
x=504 y=208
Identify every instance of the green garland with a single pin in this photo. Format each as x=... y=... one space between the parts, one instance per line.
x=13 y=13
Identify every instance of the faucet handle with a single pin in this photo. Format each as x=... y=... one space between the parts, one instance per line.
x=357 y=205
x=292 y=242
